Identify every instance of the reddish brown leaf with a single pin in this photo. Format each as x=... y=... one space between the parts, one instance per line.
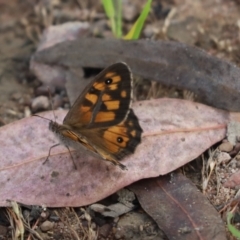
x=175 y=132
x=178 y=208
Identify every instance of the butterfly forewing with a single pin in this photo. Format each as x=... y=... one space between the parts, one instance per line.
x=105 y=101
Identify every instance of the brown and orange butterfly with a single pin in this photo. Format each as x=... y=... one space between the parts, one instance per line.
x=101 y=119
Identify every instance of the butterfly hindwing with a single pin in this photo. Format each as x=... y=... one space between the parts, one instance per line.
x=117 y=141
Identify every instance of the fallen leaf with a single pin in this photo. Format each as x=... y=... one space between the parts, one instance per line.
x=175 y=132
x=178 y=208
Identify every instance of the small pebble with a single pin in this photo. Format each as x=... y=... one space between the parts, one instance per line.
x=223 y=157
x=44 y=215
x=226 y=147
x=61 y=225
x=40 y=103
x=150 y=30
x=116 y=219
x=105 y=230
x=27 y=112
x=16 y=96
x=129 y=12
x=47 y=226
x=54 y=218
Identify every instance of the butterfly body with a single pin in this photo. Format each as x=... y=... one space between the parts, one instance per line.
x=101 y=119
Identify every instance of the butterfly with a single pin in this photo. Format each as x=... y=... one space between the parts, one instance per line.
x=101 y=119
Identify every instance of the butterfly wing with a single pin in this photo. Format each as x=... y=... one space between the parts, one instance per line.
x=105 y=101
x=116 y=142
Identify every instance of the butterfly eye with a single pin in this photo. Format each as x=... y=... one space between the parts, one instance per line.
x=119 y=139
x=108 y=81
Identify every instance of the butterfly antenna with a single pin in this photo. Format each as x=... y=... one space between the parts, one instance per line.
x=35 y=115
x=51 y=102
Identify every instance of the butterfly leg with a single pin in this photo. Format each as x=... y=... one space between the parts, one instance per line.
x=49 y=152
x=55 y=145
x=72 y=158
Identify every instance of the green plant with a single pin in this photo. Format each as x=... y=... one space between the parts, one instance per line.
x=113 y=9
x=234 y=231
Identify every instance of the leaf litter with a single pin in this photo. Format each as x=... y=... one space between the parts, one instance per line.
x=55 y=174
x=171 y=139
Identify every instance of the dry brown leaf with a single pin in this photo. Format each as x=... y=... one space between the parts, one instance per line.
x=175 y=132
x=178 y=208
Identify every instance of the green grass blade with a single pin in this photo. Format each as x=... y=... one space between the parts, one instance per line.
x=234 y=231
x=118 y=7
x=113 y=9
x=135 y=31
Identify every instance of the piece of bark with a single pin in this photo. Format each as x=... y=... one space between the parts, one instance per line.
x=214 y=81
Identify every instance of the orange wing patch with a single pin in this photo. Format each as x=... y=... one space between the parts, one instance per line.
x=92 y=98
x=112 y=105
x=86 y=117
x=105 y=116
x=113 y=87
x=85 y=109
x=102 y=86
x=110 y=74
x=106 y=97
x=123 y=94
x=119 y=129
x=99 y=86
x=133 y=133
x=116 y=79
x=112 y=139
x=114 y=76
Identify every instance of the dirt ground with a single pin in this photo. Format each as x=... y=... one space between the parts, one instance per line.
x=213 y=25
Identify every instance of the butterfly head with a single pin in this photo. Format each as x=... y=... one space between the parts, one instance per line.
x=53 y=126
